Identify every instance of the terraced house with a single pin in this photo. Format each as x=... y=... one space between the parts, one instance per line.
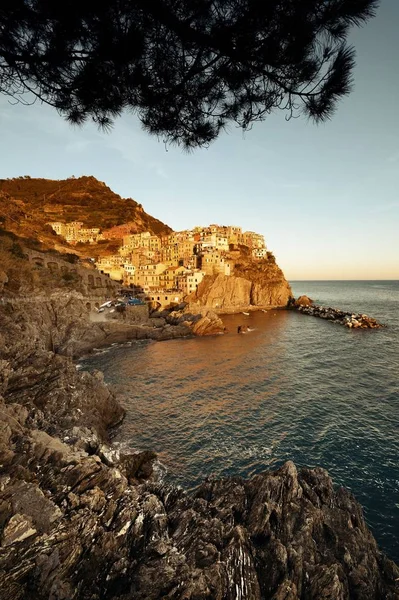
x=178 y=261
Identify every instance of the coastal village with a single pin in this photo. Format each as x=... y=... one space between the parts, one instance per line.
x=166 y=268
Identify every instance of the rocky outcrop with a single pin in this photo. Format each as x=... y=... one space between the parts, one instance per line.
x=81 y=520
x=253 y=284
x=303 y=301
x=208 y=324
x=63 y=323
x=199 y=320
x=77 y=525
x=222 y=293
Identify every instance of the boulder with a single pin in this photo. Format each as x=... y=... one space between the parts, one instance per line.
x=200 y=320
x=303 y=301
x=210 y=324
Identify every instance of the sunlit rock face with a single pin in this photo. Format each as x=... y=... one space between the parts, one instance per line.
x=222 y=292
x=253 y=284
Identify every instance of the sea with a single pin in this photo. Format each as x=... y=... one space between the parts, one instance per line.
x=294 y=387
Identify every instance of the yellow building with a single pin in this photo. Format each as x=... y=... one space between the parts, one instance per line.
x=189 y=282
x=72 y=231
x=58 y=227
x=253 y=240
x=113 y=265
x=148 y=276
x=170 y=277
x=170 y=252
x=129 y=274
x=233 y=234
x=214 y=263
x=259 y=253
x=166 y=299
x=136 y=240
x=88 y=235
x=185 y=249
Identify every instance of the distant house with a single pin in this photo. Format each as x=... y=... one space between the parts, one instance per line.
x=189 y=282
x=165 y=299
x=58 y=227
x=214 y=263
x=149 y=276
x=259 y=253
x=170 y=277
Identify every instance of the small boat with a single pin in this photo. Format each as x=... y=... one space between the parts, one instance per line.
x=245 y=313
x=106 y=304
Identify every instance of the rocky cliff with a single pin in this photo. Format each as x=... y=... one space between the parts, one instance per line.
x=259 y=284
x=80 y=520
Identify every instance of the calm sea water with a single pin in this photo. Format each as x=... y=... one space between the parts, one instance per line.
x=295 y=387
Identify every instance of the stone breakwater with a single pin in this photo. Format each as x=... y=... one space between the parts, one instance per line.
x=348 y=319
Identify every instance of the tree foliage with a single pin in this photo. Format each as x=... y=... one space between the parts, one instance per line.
x=186 y=67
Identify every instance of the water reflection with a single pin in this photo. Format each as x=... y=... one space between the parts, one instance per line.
x=207 y=400
x=293 y=388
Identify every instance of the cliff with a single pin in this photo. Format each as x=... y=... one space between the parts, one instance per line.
x=259 y=284
x=81 y=520
x=28 y=204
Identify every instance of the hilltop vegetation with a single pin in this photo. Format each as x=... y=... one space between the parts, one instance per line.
x=28 y=204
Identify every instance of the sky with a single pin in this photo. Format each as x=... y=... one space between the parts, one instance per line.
x=326 y=197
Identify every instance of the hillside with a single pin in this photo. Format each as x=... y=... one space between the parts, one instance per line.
x=28 y=204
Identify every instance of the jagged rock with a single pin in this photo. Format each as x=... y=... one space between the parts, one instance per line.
x=221 y=292
x=18 y=528
x=283 y=534
x=199 y=320
x=5 y=371
x=303 y=301
x=250 y=288
x=270 y=293
x=209 y=324
x=137 y=466
x=80 y=523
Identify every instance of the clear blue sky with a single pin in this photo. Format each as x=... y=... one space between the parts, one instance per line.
x=325 y=197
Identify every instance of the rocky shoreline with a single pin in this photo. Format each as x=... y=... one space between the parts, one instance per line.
x=81 y=521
